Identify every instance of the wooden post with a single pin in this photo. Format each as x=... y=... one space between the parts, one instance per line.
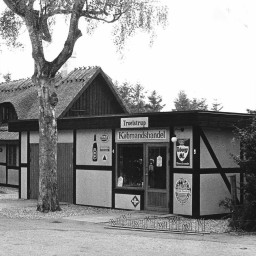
x=233 y=189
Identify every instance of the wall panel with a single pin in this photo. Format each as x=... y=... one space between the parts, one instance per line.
x=13 y=177
x=94 y=188
x=224 y=146
x=23 y=185
x=212 y=191
x=3 y=174
x=24 y=146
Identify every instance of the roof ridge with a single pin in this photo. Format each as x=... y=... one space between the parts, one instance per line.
x=73 y=76
x=10 y=87
x=86 y=67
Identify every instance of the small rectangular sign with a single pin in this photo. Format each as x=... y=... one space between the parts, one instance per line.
x=134 y=122
x=183 y=152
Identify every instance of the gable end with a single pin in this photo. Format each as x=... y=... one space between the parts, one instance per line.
x=97 y=99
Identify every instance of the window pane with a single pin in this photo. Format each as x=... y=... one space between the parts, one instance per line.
x=157 y=167
x=130 y=166
x=12 y=155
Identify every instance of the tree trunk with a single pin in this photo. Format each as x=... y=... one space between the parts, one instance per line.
x=48 y=189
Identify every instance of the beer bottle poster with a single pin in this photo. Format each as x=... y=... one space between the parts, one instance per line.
x=182 y=152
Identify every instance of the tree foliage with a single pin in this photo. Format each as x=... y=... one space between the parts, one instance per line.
x=183 y=103
x=136 y=99
x=245 y=215
x=10 y=25
x=155 y=102
x=38 y=17
x=7 y=77
x=216 y=106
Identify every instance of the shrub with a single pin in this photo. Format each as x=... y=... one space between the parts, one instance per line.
x=244 y=215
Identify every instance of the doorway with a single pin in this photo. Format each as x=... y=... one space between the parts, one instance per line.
x=156 y=177
x=144 y=167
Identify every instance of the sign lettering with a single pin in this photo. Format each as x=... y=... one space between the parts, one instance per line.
x=142 y=135
x=134 y=122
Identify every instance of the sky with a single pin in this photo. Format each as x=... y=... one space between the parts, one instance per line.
x=207 y=50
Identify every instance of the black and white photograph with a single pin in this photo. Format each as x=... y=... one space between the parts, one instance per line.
x=128 y=127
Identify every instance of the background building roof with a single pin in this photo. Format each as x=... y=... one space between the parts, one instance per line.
x=22 y=94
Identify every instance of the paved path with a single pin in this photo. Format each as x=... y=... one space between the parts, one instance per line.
x=87 y=235
x=65 y=237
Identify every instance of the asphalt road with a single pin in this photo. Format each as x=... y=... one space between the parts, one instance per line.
x=65 y=237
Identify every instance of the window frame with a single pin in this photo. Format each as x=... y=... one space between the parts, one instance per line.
x=117 y=172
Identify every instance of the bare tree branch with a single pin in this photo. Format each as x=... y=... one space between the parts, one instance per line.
x=17 y=6
x=73 y=34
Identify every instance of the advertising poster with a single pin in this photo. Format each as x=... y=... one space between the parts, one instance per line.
x=94 y=147
x=182 y=191
x=183 y=152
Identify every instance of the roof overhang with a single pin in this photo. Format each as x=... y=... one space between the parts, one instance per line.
x=159 y=119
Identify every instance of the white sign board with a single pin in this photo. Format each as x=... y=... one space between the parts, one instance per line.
x=94 y=147
x=155 y=135
x=134 y=122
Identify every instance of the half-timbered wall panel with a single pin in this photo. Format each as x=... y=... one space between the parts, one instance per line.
x=13 y=177
x=96 y=100
x=3 y=164
x=2 y=153
x=24 y=142
x=212 y=191
x=23 y=183
x=2 y=174
x=94 y=187
x=34 y=138
x=224 y=146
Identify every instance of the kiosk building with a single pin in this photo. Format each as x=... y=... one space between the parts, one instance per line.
x=176 y=162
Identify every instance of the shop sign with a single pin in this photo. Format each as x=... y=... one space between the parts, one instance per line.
x=182 y=191
x=141 y=135
x=134 y=122
x=135 y=201
x=183 y=152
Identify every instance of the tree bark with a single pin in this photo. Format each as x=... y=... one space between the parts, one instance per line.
x=48 y=189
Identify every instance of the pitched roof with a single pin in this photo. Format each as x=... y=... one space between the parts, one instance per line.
x=23 y=93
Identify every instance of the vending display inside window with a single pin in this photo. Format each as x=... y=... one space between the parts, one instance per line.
x=130 y=166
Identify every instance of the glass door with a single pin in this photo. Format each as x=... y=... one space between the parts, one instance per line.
x=157 y=177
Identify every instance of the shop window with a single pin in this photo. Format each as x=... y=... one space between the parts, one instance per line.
x=130 y=166
x=12 y=156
